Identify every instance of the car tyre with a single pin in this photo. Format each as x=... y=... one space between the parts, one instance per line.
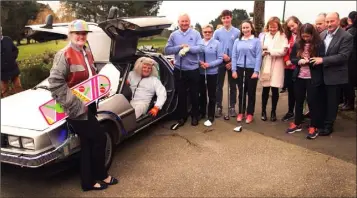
x=109 y=146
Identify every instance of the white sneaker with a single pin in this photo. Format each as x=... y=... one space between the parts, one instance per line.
x=208 y=123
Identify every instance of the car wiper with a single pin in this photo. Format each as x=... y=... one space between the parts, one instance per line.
x=41 y=87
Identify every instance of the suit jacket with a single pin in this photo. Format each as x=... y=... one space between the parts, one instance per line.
x=9 y=66
x=316 y=71
x=335 y=62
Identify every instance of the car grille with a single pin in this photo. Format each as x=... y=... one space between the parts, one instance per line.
x=4 y=141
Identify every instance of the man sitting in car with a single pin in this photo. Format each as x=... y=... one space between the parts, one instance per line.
x=144 y=84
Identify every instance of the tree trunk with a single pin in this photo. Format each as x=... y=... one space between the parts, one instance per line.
x=258 y=19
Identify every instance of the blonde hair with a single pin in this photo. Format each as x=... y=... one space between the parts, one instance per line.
x=219 y=26
x=208 y=26
x=138 y=67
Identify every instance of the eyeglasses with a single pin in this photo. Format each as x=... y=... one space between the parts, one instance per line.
x=208 y=32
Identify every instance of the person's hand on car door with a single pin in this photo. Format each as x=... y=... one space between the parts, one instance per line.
x=154 y=111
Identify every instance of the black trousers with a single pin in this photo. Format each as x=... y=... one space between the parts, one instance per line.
x=187 y=80
x=92 y=140
x=303 y=88
x=348 y=89
x=232 y=83
x=211 y=90
x=274 y=99
x=289 y=84
x=348 y=92
x=250 y=86
x=331 y=101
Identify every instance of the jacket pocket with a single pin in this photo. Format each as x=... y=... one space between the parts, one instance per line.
x=76 y=68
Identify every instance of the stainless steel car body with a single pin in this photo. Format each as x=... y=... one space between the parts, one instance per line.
x=22 y=120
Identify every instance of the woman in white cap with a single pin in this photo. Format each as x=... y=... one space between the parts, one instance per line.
x=73 y=65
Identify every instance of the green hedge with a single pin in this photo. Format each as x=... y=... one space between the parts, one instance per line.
x=35 y=69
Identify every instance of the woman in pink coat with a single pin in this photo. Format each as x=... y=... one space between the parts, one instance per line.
x=275 y=45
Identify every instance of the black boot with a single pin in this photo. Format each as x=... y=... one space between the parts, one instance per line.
x=264 y=115
x=273 y=116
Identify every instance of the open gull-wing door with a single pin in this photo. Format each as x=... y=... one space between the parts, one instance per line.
x=125 y=33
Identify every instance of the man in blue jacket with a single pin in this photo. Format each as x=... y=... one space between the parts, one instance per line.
x=226 y=35
x=186 y=44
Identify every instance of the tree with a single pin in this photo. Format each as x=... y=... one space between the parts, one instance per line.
x=15 y=15
x=198 y=28
x=238 y=15
x=258 y=17
x=97 y=11
x=65 y=13
x=42 y=14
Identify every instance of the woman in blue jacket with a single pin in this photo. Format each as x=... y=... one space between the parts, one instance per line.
x=249 y=46
x=210 y=59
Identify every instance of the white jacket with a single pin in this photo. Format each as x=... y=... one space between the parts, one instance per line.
x=143 y=89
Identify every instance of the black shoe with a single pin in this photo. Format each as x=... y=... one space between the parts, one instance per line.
x=264 y=116
x=201 y=116
x=102 y=187
x=194 y=121
x=273 y=116
x=288 y=116
x=179 y=123
x=113 y=181
x=218 y=112
x=232 y=112
x=283 y=91
x=347 y=107
x=326 y=132
x=211 y=119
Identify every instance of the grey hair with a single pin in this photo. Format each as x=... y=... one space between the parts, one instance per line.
x=336 y=13
x=184 y=14
x=208 y=26
x=323 y=14
x=138 y=67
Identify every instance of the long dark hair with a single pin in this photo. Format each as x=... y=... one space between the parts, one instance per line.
x=308 y=28
x=251 y=25
x=353 y=16
x=287 y=30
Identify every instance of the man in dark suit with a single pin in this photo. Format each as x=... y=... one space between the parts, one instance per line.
x=9 y=68
x=339 y=45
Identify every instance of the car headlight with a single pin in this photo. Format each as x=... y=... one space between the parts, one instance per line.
x=14 y=141
x=27 y=143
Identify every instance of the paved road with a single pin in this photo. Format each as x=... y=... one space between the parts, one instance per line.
x=214 y=162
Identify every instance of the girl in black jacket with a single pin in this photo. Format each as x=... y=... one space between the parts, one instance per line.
x=308 y=79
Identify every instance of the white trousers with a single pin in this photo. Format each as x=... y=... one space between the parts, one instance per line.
x=140 y=107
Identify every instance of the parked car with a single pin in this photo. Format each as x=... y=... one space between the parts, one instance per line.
x=28 y=141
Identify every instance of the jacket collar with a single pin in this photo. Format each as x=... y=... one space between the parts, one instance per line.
x=76 y=47
x=249 y=38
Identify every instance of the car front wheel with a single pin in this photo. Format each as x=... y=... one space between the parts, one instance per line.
x=109 y=148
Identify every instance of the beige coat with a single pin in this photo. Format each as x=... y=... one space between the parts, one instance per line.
x=272 y=70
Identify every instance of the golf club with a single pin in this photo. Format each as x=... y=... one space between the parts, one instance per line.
x=227 y=117
x=177 y=125
x=239 y=128
x=204 y=60
x=207 y=123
